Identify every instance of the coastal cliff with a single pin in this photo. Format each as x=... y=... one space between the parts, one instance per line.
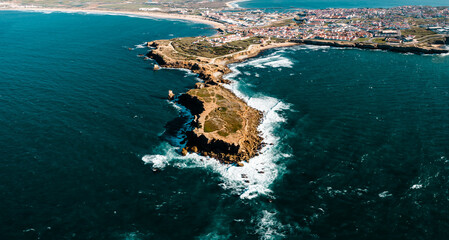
x=225 y=127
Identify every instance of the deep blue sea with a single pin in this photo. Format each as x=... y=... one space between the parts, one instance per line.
x=357 y=140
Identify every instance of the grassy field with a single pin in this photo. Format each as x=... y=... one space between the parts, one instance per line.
x=224 y=119
x=417 y=32
x=362 y=39
x=379 y=40
x=203 y=48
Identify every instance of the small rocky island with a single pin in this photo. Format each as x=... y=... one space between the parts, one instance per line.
x=226 y=128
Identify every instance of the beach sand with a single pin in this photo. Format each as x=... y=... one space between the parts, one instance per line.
x=234 y=4
x=192 y=18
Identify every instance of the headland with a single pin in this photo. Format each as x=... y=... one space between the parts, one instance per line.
x=225 y=127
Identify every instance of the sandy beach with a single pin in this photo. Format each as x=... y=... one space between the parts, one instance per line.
x=143 y=14
x=234 y=4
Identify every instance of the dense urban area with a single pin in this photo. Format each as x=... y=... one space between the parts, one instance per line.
x=416 y=25
x=406 y=25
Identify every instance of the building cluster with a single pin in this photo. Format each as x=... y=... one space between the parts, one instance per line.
x=245 y=19
x=285 y=32
x=332 y=24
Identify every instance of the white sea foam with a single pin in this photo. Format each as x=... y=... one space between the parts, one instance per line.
x=416 y=186
x=444 y=54
x=256 y=176
x=275 y=61
x=385 y=194
x=142 y=45
x=269 y=227
x=310 y=47
x=157 y=161
x=235 y=4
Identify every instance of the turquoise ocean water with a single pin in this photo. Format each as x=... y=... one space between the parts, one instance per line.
x=356 y=140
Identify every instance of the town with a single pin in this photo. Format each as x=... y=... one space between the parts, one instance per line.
x=406 y=25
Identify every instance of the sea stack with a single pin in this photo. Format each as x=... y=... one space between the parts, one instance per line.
x=156 y=67
x=171 y=95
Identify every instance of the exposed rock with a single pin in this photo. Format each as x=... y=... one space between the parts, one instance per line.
x=192 y=103
x=199 y=85
x=156 y=67
x=184 y=152
x=171 y=95
x=225 y=126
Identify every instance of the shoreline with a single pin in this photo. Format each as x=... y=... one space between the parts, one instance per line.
x=372 y=46
x=245 y=144
x=234 y=4
x=159 y=15
x=232 y=148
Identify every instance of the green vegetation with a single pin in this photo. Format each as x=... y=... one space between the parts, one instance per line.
x=417 y=32
x=224 y=118
x=362 y=39
x=197 y=46
x=379 y=40
x=277 y=40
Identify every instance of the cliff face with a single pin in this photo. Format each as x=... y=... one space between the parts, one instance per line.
x=166 y=56
x=225 y=127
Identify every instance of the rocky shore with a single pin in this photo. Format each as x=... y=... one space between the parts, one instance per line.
x=387 y=47
x=225 y=127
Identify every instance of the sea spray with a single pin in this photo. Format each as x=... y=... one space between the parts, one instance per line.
x=257 y=175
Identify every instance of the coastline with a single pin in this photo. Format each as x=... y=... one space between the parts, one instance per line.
x=246 y=143
x=234 y=4
x=206 y=99
x=372 y=46
x=160 y=15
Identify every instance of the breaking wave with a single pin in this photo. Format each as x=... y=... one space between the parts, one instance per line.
x=273 y=60
x=256 y=176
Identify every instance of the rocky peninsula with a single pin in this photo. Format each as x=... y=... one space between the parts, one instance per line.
x=225 y=127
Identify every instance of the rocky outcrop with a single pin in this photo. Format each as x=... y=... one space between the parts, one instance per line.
x=387 y=47
x=171 y=95
x=225 y=127
x=166 y=57
x=235 y=138
x=192 y=103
